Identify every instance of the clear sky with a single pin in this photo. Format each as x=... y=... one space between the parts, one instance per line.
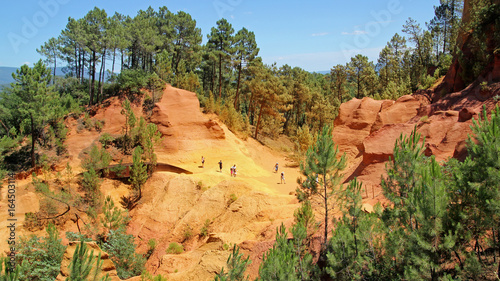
x=314 y=35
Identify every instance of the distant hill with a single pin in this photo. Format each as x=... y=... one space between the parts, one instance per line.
x=323 y=72
x=6 y=75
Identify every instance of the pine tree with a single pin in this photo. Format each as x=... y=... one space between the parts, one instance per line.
x=322 y=169
x=281 y=261
x=40 y=257
x=338 y=76
x=113 y=217
x=51 y=50
x=245 y=50
x=362 y=75
x=138 y=172
x=220 y=40
x=236 y=267
x=35 y=101
x=267 y=92
x=82 y=263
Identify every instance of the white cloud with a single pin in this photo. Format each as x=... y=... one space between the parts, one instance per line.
x=320 y=34
x=27 y=63
x=355 y=32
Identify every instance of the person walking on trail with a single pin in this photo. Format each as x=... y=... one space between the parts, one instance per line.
x=283 y=177
x=202 y=162
x=220 y=166
x=234 y=170
x=276 y=167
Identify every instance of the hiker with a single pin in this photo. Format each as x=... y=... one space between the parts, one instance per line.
x=283 y=177
x=220 y=166
x=276 y=167
x=234 y=170
x=202 y=162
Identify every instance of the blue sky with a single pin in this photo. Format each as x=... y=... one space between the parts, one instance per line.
x=314 y=35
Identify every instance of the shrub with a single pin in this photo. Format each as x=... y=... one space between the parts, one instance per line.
x=106 y=139
x=132 y=80
x=41 y=256
x=97 y=159
x=188 y=232
x=204 y=229
x=121 y=249
x=232 y=198
x=175 y=248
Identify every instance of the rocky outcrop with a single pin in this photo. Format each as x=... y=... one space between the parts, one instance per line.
x=358 y=119
x=180 y=120
x=367 y=130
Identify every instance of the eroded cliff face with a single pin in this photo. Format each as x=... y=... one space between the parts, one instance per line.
x=366 y=130
x=455 y=81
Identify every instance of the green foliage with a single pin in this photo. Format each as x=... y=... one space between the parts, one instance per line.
x=236 y=267
x=151 y=247
x=188 y=232
x=114 y=218
x=355 y=249
x=362 y=75
x=474 y=208
x=130 y=122
x=147 y=136
x=322 y=171
x=281 y=262
x=77 y=236
x=40 y=256
x=90 y=184
x=34 y=102
x=232 y=199
x=98 y=159
x=138 y=171
x=121 y=249
x=132 y=80
x=82 y=263
x=118 y=169
x=146 y=276
x=175 y=248
x=9 y=274
x=106 y=139
x=204 y=228
x=302 y=141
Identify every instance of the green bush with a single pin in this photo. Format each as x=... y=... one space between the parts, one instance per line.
x=41 y=256
x=188 y=232
x=106 y=139
x=132 y=80
x=175 y=248
x=121 y=249
x=204 y=229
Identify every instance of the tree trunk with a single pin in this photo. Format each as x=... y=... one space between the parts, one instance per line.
x=258 y=121
x=113 y=65
x=55 y=65
x=92 y=85
x=33 y=140
x=103 y=72
x=220 y=76
x=326 y=211
x=237 y=88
